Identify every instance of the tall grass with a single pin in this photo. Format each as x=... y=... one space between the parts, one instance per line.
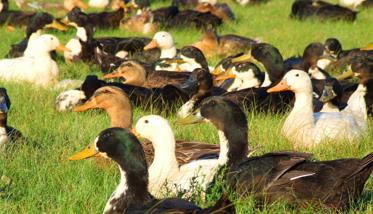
x=44 y=181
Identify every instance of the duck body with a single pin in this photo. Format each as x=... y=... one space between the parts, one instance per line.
x=212 y=44
x=13 y=17
x=131 y=194
x=302 y=9
x=223 y=11
x=105 y=20
x=281 y=176
x=7 y=133
x=316 y=127
x=36 y=66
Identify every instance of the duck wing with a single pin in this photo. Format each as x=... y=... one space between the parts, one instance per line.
x=333 y=183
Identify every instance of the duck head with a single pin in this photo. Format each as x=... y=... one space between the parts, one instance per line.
x=333 y=47
x=246 y=74
x=78 y=19
x=164 y=41
x=43 y=20
x=152 y=127
x=121 y=146
x=132 y=72
x=4 y=107
x=193 y=57
x=363 y=69
x=43 y=45
x=269 y=56
x=294 y=80
x=231 y=122
x=114 y=101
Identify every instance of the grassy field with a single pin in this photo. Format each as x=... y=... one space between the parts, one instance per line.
x=44 y=181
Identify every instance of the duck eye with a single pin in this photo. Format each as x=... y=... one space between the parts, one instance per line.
x=146 y=121
x=297 y=75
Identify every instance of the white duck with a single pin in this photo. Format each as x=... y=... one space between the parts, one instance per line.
x=36 y=66
x=306 y=128
x=164 y=173
x=353 y=4
x=98 y=3
x=164 y=41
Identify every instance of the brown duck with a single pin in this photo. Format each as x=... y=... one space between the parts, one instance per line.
x=118 y=106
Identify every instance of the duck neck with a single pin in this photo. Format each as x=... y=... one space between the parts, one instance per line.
x=3 y=120
x=267 y=82
x=164 y=164
x=233 y=145
x=249 y=84
x=120 y=116
x=168 y=53
x=131 y=192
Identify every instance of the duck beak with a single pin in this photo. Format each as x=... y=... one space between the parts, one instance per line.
x=368 y=47
x=88 y=152
x=217 y=71
x=328 y=94
x=281 y=86
x=345 y=75
x=10 y=28
x=244 y=57
x=62 y=48
x=225 y=76
x=89 y=104
x=153 y=44
x=112 y=75
x=134 y=132
x=82 y=5
x=56 y=25
x=194 y=117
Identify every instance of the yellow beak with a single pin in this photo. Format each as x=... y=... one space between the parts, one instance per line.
x=62 y=48
x=89 y=104
x=88 y=152
x=345 y=75
x=56 y=25
x=368 y=47
x=245 y=57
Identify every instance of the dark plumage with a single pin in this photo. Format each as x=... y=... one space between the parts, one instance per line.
x=285 y=176
x=302 y=9
x=14 y=17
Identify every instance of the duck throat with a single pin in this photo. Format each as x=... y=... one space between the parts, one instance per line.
x=130 y=193
x=233 y=145
x=165 y=165
x=168 y=53
x=120 y=116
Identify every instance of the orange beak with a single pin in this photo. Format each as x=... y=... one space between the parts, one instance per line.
x=62 y=48
x=281 y=86
x=225 y=76
x=82 y=5
x=134 y=132
x=153 y=44
x=89 y=104
x=112 y=75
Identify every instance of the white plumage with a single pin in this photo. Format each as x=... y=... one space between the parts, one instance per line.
x=36 y=66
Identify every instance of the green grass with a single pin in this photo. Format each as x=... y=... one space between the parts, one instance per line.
x=44 y=181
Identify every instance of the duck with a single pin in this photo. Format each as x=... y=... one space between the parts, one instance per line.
x=86 y=48
x=315 y=128
x=250 y=2
x=13 y=17
x=34 y=29
x=119 y=108
x=354 y=4
x=192 y=58
x=98 y=3
x=7 y=133
x=165 y=42
x=286 y=176
x=223 y=11
x=36 y=65
x=136 y=74
x=140 y=23
x=131 y=194
x=67 y=5
x=165 y=173
x=302 y=9
x=212 y=44
x=245 y=75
